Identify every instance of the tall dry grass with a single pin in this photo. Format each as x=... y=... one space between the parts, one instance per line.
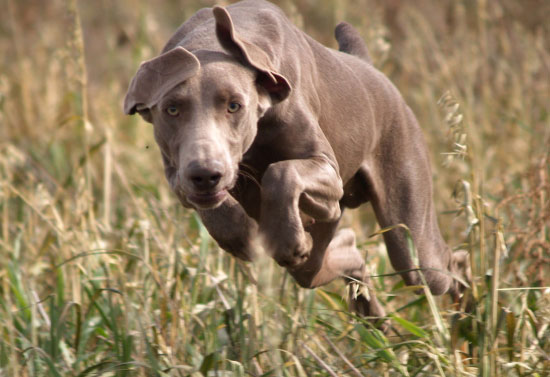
x=103 y=273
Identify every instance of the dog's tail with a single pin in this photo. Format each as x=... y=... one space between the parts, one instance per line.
x=350 y=41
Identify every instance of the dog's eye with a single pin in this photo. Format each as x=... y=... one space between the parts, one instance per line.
x=233 y=107
x=173 y=111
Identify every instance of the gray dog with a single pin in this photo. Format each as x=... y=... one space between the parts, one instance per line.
x=269 y=135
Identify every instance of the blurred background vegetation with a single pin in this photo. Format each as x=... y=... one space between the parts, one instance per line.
x=102 y=272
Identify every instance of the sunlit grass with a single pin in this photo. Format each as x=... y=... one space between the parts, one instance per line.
x=103 y=273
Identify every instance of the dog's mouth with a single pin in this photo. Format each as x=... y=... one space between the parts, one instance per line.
x=207 y=200
x=203 y=199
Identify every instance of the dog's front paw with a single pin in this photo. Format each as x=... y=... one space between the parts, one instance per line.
x=363 y=302
x=289 y=249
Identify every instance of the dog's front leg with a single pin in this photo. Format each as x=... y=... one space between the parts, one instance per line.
x=232 y=228
x=290 y=189
x=228 y=224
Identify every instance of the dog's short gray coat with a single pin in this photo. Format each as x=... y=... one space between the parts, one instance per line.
x=269 y=135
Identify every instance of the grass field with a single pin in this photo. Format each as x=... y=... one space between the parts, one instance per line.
x=102 y=273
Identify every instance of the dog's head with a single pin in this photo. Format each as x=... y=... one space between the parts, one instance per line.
x=205 y=107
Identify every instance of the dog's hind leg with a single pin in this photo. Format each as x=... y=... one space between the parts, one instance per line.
x=399 y=185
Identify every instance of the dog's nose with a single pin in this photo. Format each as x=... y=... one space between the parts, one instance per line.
x=204 y=177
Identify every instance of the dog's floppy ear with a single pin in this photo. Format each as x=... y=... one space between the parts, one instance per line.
x=276 y=84
x=157 y=76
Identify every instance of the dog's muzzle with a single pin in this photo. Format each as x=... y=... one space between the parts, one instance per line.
x=205 y=183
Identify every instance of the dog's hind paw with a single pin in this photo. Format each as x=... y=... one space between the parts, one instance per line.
x=460 y=266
